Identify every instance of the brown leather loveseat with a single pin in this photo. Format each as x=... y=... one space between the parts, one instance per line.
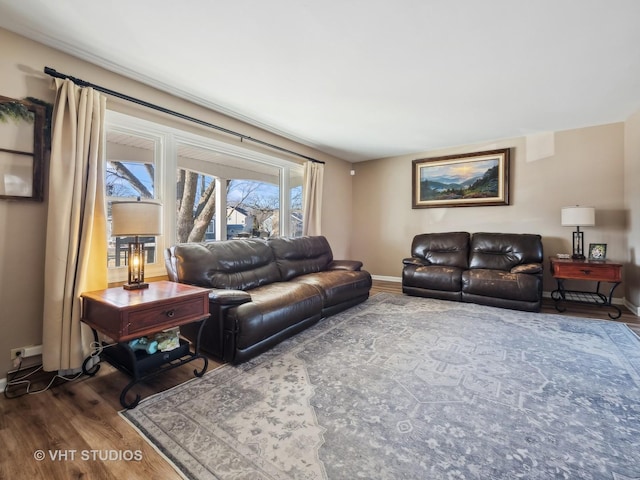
x=263 y=291
x=496 y=269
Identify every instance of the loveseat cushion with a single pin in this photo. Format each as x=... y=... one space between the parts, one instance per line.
x=300 y=255
x=500 y=284
x=433 y=277
x=503 y=251
x=450 y=249
x=242 y=264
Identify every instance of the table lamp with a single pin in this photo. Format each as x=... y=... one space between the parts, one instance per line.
x=578 y=217
x=136 y=219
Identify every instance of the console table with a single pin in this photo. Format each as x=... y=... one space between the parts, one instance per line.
x=124 y=315
x=593 y=270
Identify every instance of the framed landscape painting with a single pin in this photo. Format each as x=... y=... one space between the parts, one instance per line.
x=466 y=180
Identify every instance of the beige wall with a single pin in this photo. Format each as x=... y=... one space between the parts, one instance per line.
x=632 y=204
x=586 y=168
x=367 y=216
x=23 y=224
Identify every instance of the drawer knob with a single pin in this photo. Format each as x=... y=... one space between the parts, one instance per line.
x=171 y=313
x=586 y=272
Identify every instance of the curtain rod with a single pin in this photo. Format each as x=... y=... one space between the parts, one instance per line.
x=82 y=83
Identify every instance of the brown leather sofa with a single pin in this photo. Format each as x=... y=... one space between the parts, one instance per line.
x=263 y=291
x=496 y=269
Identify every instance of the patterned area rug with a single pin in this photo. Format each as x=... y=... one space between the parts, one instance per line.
x=413 y=388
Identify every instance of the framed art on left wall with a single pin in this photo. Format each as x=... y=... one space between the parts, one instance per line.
x=22 y=150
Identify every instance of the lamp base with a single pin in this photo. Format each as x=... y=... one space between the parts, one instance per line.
x=578 y=245
x=135 y=286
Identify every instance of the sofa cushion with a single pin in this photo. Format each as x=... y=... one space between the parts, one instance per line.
x=337 y=286
x=433 y=277
x=273 y=308
x=503 y=251
x=501 y=284
x=450 y=249
x=530 y=268
x=242 y=264
x=300 y=255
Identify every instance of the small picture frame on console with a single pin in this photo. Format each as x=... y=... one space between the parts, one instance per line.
x=597 y=251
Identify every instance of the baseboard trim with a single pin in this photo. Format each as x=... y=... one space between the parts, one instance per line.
x=384 y=278
x=632 y=308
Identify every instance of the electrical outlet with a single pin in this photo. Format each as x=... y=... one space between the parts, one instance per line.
x=26 y=352
x=17 y=352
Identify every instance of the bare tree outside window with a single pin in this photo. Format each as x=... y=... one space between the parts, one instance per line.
x=196 y=205
x=137 y=159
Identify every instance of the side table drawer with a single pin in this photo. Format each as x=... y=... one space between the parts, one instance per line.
x=601 y=273
x=170 y=314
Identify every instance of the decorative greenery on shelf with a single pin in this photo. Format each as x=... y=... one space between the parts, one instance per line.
x=16 y=111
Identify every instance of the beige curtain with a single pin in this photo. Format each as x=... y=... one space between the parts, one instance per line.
x=312 y=204
x=76 y=241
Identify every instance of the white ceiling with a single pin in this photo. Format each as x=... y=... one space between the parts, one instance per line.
x=363 y=79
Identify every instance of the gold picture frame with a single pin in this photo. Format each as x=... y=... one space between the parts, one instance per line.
x=466 y=180
x=22 y=150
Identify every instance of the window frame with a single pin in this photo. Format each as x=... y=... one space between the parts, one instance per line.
x=166 y=161
x=119 y=274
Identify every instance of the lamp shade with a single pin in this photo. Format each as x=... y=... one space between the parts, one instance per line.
x=142 y=218
x=578 y=216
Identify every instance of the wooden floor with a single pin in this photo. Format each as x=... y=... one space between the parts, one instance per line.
x=75 y=421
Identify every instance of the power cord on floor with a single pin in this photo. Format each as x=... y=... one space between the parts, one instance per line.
x=16 y=381
x=96 y=347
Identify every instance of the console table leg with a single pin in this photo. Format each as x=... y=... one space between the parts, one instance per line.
x=123 y=396
x=615 y=307
x=558 y=295
x=201 y=372
x=196 y=351
x=91 y=371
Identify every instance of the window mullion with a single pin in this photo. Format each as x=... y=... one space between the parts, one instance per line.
x=170 y=168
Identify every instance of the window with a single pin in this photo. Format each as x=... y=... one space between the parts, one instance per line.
x=195 y=194
x=296 y=181
x=130 y=174
x=220 y=190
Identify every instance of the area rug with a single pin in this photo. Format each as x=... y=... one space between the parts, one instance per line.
x=410 y=388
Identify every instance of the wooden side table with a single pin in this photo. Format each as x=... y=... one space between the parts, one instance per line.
x=598 y=271
x=125 y=315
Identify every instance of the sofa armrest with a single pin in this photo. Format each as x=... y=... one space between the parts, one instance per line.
x=228 y=296
x=532 y=268
x=353 y=265
x=414 y=261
